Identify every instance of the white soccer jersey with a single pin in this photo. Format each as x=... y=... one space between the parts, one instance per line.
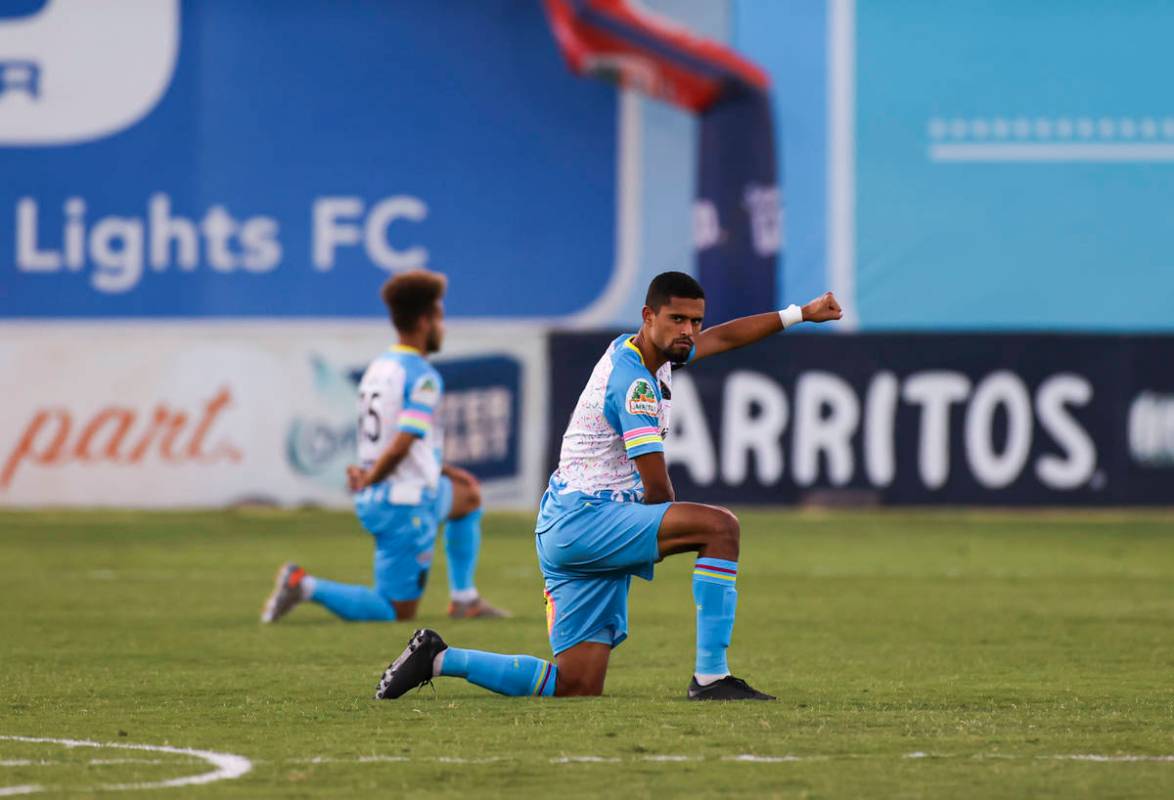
x=622 y=413
x=400 y=391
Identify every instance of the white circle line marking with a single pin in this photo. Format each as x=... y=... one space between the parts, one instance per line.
x=227 y=766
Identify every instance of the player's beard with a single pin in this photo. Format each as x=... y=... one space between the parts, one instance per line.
x=677 y=353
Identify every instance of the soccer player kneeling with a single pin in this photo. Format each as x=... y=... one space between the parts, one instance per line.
x=403 y=490
x=609 y=513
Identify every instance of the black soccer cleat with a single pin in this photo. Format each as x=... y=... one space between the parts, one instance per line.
x=728 y=688
x=413 y=667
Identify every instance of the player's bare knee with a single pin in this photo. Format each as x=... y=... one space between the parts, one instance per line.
x=473 y=488
x=405 y=611
x=727 y=532
x=577 y=691
x=466 y=498
x=578 y=687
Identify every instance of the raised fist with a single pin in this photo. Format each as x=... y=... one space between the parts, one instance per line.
x=822 y=309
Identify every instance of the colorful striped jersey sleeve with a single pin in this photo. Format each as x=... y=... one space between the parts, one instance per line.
x=633 y=406
x=421 y=398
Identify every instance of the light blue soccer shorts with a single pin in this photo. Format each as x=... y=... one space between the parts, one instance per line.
x=588 y=550
x=405 y=538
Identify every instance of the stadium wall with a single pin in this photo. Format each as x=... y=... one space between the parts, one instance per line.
x=157 y=415
x=217 y=191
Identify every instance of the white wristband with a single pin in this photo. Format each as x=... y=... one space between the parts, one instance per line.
x=791 y=315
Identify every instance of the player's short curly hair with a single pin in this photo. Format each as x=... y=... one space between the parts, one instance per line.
x=668 y=285
x=411 y=295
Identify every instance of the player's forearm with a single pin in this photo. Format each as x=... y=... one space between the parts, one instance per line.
x=741 y=332
x=654 y=477
x=389 y=459
x=660 y=492
x=383 y=467
x=454 y=473
x=653 y=497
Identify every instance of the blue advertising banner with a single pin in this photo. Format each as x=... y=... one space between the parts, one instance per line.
x=167 y=159
x=912 y=419
x=1014 y=165
x=481 y=413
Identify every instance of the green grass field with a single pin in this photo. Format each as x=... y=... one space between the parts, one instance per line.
x=938 y=654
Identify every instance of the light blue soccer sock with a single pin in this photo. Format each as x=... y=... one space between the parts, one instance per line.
x=462 y=544
x=515 y=676
x=716 y=597
x=357 y=603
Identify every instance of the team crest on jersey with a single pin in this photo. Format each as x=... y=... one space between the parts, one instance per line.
x=426 y=391
x=642 y=398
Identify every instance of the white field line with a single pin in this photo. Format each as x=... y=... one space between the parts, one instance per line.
x=1117 y=758
x=227 y=766
x=345 y=760
x=744 y=758
x=459 y=760
x=585 y=759
x=753 y=759
x=1093 y=757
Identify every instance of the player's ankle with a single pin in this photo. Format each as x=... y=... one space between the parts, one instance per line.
x=464 y=595
x=306 y=586
x=704 y=679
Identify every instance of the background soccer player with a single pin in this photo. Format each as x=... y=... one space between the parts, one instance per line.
x=610 y=513
x=402 y=490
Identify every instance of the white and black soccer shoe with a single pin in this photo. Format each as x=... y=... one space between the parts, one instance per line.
x=413 y=667
x=728 y=688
